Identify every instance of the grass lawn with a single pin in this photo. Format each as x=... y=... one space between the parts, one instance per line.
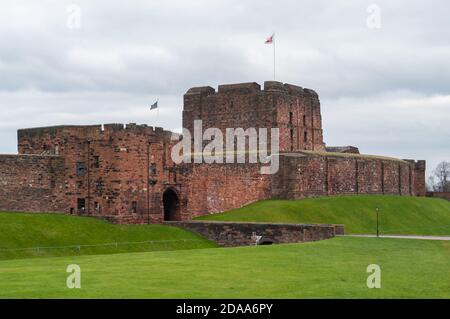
x=325 y=269
x=24 y=230
x=398 y=214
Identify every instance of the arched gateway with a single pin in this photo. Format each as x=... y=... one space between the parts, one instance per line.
x=171 y=204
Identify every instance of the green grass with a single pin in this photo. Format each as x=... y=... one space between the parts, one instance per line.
x=325 y=269
x=352 y=155
x=398 y=214
x=22 y=230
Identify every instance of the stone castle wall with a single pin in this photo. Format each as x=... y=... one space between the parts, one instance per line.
x=443 y=195
x=125 y=174
x=120 y=172
x=419 y=183
x=292 y=109
x=322 y=174
x=32 y=183
x=213 y=188
x=232 y=234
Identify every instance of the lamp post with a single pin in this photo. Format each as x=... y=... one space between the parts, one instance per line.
x=377 y=210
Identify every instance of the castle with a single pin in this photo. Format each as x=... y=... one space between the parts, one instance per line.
x=125 y=173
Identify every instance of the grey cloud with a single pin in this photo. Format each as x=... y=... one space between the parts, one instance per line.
x=126 y=55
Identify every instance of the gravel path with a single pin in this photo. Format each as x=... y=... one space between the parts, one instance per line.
x=405 y=237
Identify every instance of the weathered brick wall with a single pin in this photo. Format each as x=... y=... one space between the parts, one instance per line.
x=443 y=195
x=419 y=178
x=369 y=177
x=292 y=109
x=342 y=176
x=125 y=168
x=303 y=175
x=406 y=187
x=32 y=183
x=231 y=234
x=213 y=188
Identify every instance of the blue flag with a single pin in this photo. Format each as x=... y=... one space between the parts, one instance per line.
x=154 y=105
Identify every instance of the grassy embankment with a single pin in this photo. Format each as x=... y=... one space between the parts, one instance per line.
x=397 y=214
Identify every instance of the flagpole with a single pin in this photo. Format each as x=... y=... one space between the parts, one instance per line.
x=157 y=112
x=274 y=56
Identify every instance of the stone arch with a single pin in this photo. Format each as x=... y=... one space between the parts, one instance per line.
x=171 y=204
x=265 y=241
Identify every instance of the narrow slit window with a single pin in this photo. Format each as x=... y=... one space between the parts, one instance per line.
x=80 y=168
x=134 y=207
x=292 y=140
x=96 y=163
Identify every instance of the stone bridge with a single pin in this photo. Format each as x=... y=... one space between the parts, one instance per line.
x=231 y=234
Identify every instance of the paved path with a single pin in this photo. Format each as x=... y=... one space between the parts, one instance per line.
x=405 y=237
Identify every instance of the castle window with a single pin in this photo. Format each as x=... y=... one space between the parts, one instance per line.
x=99 y=184
x=96 y=163
x=81 y=205
x=133 y=207
x=290 y=117
x=152 y=169
x=304 y=120
x=292 y=140
x=305 y=136
x=80 y=168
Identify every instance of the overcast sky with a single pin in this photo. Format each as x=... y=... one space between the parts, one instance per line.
x=384 y=85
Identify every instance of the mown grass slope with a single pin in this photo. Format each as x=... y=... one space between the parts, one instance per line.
x=60 y=235
x=397 y=214
x=334 y=268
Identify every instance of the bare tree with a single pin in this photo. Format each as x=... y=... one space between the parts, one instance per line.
x=431 y=184
x=440 y=180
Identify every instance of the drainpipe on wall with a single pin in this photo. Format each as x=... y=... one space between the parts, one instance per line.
x=148 y=183
x=89 y=177
x=312 y=127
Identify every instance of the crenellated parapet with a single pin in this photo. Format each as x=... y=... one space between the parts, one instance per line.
x=251 y=87
x=54 y=139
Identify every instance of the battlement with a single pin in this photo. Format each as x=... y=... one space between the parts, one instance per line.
x=419 y=167
x=291 y=108
x=55 y=139
x=252 y=87
x=93 y=129
x=419 y=164
x=241 y=88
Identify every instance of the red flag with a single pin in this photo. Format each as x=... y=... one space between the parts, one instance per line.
x=269 y=39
